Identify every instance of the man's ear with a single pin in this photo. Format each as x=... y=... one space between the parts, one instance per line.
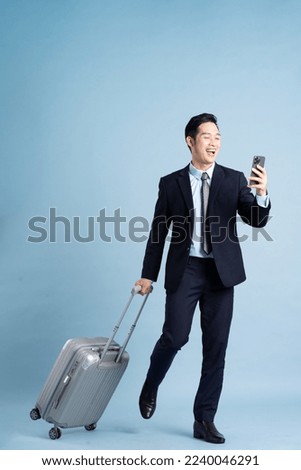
x=189 y=141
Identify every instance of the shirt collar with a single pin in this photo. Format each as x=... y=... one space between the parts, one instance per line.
x=198 y=173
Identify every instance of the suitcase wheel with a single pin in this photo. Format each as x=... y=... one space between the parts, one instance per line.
x=90 y=427
x=55 y=433
x=35 y=414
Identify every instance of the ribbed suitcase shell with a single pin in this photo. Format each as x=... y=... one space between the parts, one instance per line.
x=84 y=378
x=79 y=385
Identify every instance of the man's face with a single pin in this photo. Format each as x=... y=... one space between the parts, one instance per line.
x=205 y=146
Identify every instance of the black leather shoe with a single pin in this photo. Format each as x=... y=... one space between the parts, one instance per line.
x=147 y=401
x=207 y=431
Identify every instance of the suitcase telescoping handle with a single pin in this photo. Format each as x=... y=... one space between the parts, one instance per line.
x=134 y=291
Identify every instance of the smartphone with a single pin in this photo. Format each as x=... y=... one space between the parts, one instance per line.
x=257 y=160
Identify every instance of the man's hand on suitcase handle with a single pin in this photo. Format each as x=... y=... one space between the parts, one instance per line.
x=145 y=284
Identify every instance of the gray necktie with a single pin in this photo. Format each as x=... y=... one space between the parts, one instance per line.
x=206 y=243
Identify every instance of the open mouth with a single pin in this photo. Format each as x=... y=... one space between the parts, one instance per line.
x=211 y=152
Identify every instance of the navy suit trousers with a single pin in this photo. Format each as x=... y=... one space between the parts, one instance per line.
x=200 y=284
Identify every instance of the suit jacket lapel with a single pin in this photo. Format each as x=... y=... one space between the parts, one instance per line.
x=185 y=186
x=217 y=178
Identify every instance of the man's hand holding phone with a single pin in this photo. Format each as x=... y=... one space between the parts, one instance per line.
x=258 y=179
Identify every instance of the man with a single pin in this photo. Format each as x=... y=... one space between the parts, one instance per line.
x=204 y=262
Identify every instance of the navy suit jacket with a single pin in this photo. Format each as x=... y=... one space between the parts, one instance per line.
x=229 y=196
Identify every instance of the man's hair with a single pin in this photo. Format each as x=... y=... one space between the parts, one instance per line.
x=192 y=127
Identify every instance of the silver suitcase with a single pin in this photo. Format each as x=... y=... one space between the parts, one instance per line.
x=83 y=379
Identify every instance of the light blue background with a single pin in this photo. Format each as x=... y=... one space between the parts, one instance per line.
x=95 y=96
